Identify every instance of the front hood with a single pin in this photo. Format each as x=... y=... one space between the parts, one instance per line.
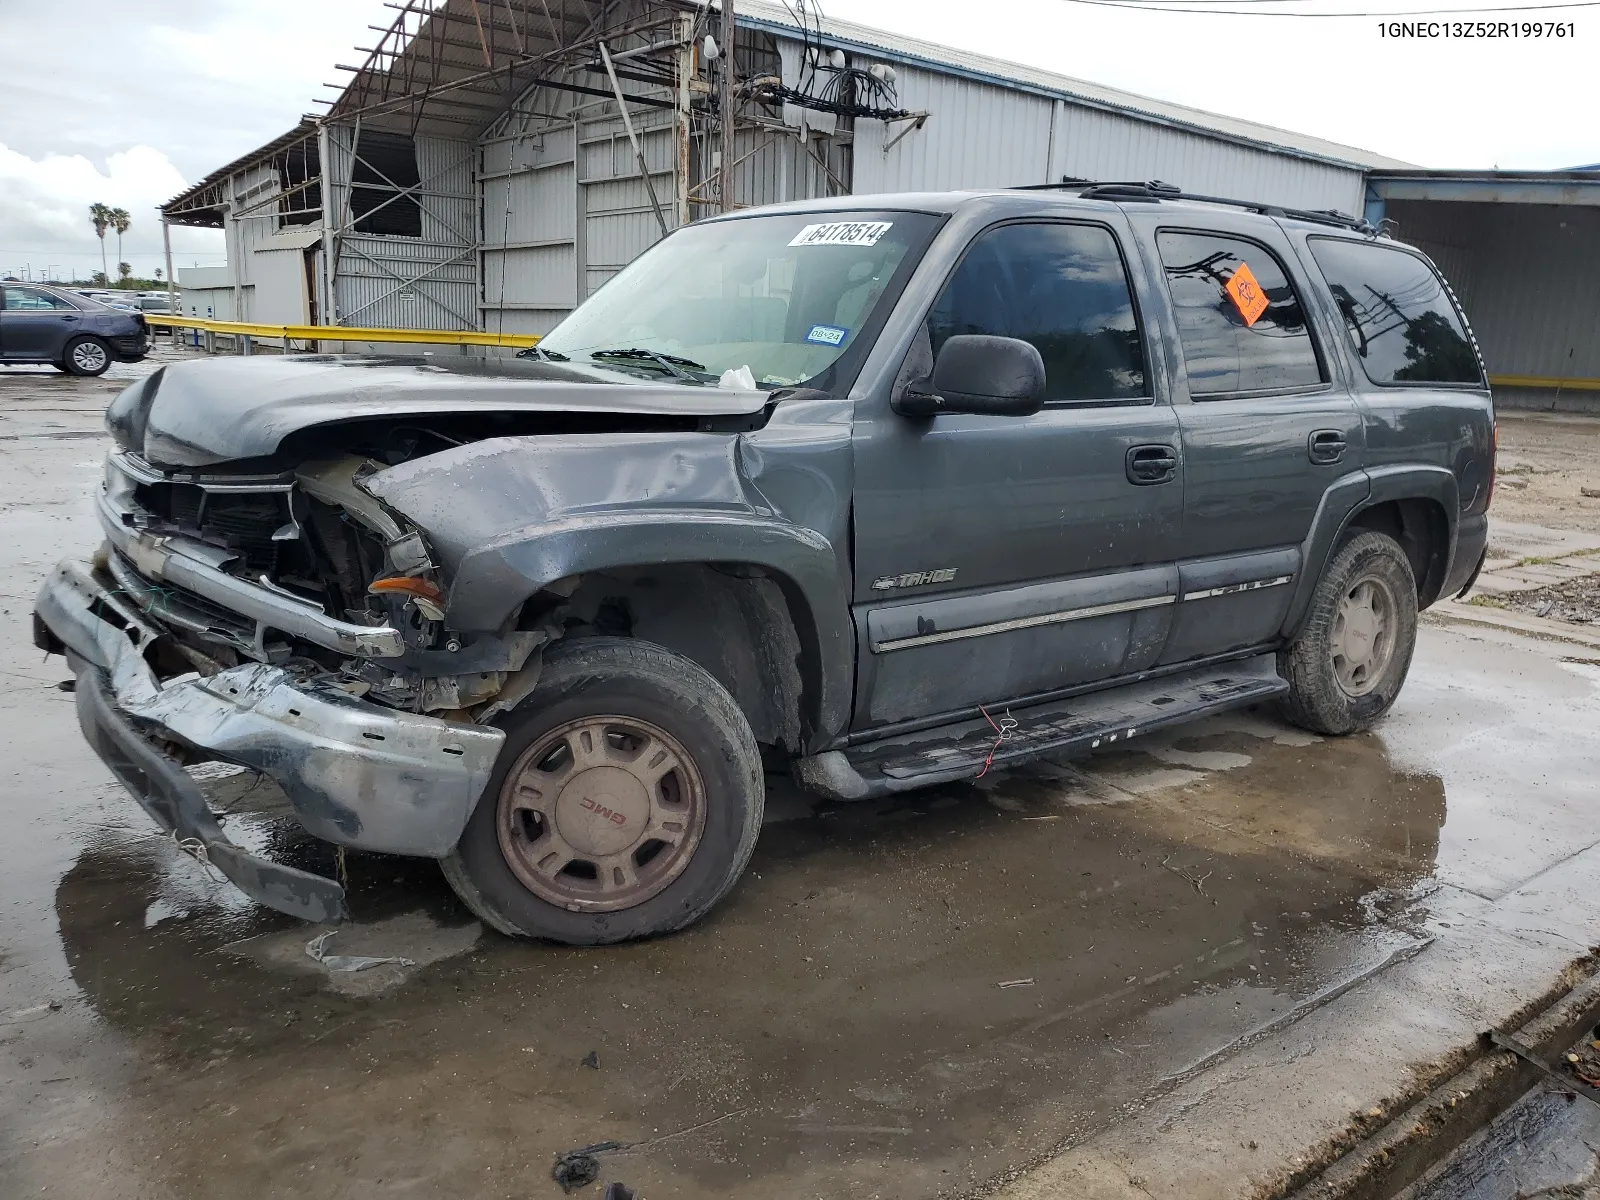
x=217 y=410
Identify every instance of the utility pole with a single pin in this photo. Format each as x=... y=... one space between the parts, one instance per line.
x=725 y=180
x=166 y=248
x=681 y=154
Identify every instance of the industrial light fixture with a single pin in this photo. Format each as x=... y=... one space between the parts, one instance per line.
x=709 y=49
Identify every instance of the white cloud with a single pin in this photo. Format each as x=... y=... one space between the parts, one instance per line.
x=45 y=202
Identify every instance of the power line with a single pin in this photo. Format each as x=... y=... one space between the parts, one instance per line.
x=1174 y=6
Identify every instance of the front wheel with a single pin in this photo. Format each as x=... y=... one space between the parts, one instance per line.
x=626 y=801
x=1346 y=668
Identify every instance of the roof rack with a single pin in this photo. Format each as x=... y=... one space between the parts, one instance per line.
x=1153 y=191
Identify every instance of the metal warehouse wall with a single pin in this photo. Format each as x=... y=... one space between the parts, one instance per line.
x=427 y=282
x=981 y=135
x=1527 y=276
x=564 y=208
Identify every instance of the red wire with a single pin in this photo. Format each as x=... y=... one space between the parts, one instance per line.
x=1000 y=736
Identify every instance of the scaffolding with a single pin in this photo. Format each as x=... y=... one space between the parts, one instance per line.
x=489 y=163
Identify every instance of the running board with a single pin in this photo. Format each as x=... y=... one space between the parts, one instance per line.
x=1063 y=727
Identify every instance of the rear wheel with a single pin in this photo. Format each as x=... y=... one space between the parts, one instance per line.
x=626 y=801
x=86 y=356
x=1346 y=668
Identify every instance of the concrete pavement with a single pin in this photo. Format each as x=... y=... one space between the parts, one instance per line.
x=1222 y=949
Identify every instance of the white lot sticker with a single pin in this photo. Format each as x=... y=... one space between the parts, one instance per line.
x=843 y=233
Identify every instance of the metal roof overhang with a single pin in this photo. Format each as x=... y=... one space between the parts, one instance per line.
x=1581 y=187
x=451 y=68
x=203 y=204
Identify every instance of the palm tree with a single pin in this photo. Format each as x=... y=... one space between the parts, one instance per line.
x=120 y=220
x=100 y=218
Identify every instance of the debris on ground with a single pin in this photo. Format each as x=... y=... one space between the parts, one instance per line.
x=579 y=1168
x=592 y=1059
x=618 y=1191
x=1575 y=600
x=1011 y=983
x=317 y=949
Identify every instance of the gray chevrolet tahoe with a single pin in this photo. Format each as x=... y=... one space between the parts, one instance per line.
x=882 y=492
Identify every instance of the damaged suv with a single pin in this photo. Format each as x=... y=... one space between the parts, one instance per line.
x=881 y=492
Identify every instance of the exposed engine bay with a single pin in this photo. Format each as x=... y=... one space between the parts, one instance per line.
x=312 y=536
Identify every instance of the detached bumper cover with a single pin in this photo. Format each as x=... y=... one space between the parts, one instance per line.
x=356 y=774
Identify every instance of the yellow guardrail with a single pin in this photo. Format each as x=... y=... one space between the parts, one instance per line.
x=344 y=333
x=1541 y=381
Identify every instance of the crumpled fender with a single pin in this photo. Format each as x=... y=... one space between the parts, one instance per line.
x=508 y=516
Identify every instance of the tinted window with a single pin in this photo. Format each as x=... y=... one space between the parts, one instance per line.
x=32 y=299
x=1060 y=287
x=1223 y=351
x=1401 y=320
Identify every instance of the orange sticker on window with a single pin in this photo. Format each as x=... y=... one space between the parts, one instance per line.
x=1246 y=295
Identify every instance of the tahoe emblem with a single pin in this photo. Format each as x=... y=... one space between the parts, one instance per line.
x=914 y=579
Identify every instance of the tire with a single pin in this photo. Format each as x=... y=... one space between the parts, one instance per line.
x=1334 y=688
x=85 y=356
x=602 y=707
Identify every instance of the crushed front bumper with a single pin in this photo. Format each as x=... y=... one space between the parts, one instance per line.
x=355 y=773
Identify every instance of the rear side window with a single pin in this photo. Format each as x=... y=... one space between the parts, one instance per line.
x=30 y=299
x=1232 y=342
x=1062 y=288
x=1402 y=322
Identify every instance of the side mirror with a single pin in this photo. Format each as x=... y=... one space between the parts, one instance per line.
x=980 y=374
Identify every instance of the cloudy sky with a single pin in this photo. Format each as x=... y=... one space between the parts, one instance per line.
x=128 y=103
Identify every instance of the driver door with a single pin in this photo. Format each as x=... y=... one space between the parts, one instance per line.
x=999 y=559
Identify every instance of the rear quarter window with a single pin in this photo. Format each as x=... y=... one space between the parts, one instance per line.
x=1404 y=326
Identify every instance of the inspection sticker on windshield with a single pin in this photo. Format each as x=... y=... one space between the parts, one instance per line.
x=843 y=233
x=827 y=335
x=1246 y=294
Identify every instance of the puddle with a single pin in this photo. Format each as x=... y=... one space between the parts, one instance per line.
x=845 y=1004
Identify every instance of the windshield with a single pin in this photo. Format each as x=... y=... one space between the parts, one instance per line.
x=784 y=296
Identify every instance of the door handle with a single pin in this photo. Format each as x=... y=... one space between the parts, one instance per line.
x=1152 y=464
x=1326 y=445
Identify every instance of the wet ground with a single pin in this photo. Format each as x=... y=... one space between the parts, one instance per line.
x=911 y=999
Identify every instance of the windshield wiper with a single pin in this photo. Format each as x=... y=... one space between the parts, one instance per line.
x=537 y=351
x=670 y=363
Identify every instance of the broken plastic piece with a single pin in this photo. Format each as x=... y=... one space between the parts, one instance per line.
x=592 y=1059
x=316 y=948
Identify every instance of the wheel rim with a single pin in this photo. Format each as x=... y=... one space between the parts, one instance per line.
x=88 y=356
x=601 y=813
x=1363 y=639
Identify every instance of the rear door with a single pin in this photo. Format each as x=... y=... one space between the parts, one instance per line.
x=1268 y=421
x=1000 y=558
x=34 y=325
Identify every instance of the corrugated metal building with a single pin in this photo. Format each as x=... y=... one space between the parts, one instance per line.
x=461 y=182
x=482 y=168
